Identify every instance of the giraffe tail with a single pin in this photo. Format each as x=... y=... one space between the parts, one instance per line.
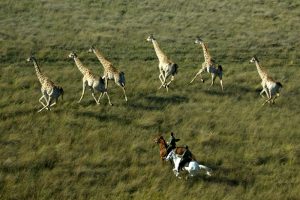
x=61 y=90
x=279 y=84
x=220 y=68
x=175 y=68
x=122 y=79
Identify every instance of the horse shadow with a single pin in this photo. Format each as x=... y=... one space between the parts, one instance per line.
x=219 y=177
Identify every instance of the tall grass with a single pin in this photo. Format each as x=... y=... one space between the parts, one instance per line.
x=85 y=151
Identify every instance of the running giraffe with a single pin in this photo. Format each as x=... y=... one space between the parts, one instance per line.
x=90 y=80
x=209 y=65
x=270 y=86
x=166 y=66
x=50 y=92
x=110 y=72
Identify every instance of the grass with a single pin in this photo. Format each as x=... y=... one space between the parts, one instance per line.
x=85 y=151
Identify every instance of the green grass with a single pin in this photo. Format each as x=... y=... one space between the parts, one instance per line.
x=85 y=151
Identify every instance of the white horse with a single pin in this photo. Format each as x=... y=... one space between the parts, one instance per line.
x=193 y=168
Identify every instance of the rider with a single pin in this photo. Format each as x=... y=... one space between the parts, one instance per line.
x=172 y=143
x=186 y=157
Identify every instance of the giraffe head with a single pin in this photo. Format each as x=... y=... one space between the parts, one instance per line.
x=198 y=40
x=31 y=59
x=150 y=38
x=72 y=55
x=91 y=49
x=254 y=59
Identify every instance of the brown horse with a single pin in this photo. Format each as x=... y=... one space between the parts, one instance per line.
x=163 y=148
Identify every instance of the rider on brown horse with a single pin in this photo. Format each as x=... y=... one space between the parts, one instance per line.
x=172 y=143
x=163 y=148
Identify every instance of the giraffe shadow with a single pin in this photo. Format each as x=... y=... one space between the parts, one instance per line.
x=232 y=90
x=5 y=116
x=174 y=99
x=104 y=117
x=152 y=102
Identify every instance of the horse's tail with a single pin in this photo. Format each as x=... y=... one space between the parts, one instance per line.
x=208 y=170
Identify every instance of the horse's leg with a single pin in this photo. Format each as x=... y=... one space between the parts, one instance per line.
x=208 y=170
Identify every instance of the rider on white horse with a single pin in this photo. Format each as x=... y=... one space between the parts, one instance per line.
x=186 y=158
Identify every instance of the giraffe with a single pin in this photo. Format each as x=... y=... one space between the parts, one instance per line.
x=269 y=85
x=110 y=72
x=50 y=92
x=90 y=80
x=166 y=66
x=209 y=65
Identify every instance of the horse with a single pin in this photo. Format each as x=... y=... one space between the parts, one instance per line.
x=193 y=167
x=163 y=148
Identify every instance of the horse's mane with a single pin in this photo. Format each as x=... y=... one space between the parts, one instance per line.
x=165 y=143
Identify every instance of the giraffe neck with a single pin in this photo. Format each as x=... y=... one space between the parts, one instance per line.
x=206 y=54
x=39 y=74
x=159 y=53
x=101 y=58
x=80 y=66
x=260 y=71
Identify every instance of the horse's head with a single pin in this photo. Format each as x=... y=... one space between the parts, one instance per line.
x=159 y=140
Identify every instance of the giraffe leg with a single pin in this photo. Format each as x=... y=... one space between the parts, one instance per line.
x=273 y=100
x=100 y=96
x=221 y=81
x=164 y=82
x=261 y=93
x=213 y=77
x=172 y=79
x=49 y=103
x=93 y=94
x=108 y=98
x=53 y=104
x=40 y=100
x=106 y=82
x=161 y=77
x=124 y=93
x=198 y=73
x=42 y=108
x=46 y=106
x=269 y=98
x=83 y=90
x=265 y=89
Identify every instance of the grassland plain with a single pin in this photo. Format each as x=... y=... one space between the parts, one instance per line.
x=85 y=151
